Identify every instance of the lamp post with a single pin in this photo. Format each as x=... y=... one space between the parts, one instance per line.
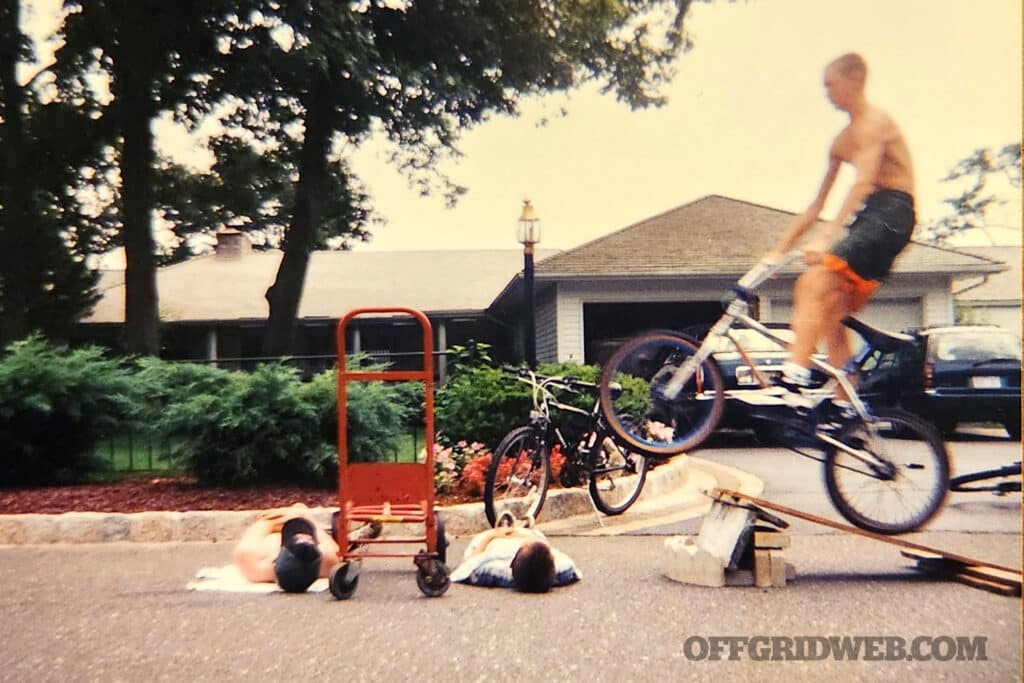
x=528 y=234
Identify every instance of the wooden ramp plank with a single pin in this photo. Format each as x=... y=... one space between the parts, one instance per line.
x=979 y=572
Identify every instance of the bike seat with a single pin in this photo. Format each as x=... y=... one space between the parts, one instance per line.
x=879 y=339
x=615 y=389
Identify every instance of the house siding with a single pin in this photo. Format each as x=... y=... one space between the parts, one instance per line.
x=938 y=307
x=547 y=327
x=573 y=295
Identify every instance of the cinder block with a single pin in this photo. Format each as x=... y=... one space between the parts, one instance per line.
x=684 y=561
x=723 y=532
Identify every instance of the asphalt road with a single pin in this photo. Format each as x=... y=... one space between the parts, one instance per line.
x=120 y=612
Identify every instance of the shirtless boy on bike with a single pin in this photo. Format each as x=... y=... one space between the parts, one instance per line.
x=843 y=273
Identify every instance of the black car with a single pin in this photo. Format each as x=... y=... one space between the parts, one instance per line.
x=949 y=375
x=767 y=358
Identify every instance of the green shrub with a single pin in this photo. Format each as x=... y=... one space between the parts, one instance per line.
x=240 y=428
x=381 y=415
x=480 y=404
x=55 y=405
x=483 y=404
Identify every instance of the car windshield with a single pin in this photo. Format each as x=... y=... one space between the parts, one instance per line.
x=751 y=341
x=974 y=345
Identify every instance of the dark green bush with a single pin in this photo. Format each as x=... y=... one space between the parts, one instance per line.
x=483 y=404
x=480 y=404
x=55 y=405
x=239 y=428
x=380 y=414
x=266 y=426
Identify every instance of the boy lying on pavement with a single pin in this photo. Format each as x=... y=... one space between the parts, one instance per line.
x=515 y=556
x=286 y=547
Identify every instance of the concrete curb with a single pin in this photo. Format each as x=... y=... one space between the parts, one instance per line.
x=227 y=526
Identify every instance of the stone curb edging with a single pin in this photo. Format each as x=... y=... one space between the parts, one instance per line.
x=227 y=526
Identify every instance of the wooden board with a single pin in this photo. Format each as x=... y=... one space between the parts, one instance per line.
x=979 y=576
x=980 y=569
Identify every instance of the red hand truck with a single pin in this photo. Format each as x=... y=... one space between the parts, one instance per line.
x=388 y=493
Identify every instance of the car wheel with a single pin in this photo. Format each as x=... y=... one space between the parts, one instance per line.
x=765 y=433
x=1013 y=429
x=946 y=426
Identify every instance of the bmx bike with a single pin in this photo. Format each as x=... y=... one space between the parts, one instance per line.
x=1000 y=481
x=520 y=470
x=885 y=471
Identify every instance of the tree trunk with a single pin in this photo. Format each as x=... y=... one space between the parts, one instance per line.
x=286 y=292
x=15 y=197
x=141 y=317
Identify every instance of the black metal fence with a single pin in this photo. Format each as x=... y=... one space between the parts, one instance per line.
x=134 y=451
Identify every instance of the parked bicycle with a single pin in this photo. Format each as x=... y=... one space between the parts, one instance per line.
x=1000 y=481
x=520 y=469
x=885 y=471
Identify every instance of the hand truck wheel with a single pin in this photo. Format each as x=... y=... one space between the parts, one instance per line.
x=343 y=580
x=441 y=541
x=432 y=578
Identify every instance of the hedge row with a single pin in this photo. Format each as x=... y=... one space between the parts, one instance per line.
x=228 y=427
x=224 y=427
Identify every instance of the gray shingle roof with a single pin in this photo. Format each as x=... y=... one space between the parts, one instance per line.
x=217 y=288
x=1004 y=286
x=714 y=235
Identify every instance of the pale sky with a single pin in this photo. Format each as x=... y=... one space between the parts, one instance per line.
x=747 y=118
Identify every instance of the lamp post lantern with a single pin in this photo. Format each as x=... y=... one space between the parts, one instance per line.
x=528 y=234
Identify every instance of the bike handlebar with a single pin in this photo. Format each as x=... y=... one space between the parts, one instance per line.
x=764 y=269
x=570 y=383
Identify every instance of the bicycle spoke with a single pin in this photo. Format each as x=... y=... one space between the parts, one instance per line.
x=897 y=500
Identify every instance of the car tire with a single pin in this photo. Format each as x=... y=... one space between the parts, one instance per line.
x=946 y=426
x=1012 y=428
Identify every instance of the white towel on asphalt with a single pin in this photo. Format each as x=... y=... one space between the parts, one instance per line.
x=229 y=580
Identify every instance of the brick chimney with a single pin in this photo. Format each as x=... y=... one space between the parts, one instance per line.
x=232 y=244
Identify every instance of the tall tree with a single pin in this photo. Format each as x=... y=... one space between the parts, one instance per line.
x=154 y=55
x=45 y=283
x=967 y=210
x=420 y=73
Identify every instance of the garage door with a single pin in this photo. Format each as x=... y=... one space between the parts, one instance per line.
x=889 y=314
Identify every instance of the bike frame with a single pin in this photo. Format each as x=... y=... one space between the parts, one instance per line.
x=544 y=399
x=738 y=310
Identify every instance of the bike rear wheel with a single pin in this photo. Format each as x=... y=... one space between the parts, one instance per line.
x=631 y=385
x=618 y=476
x=518 y=477
x=909 y=486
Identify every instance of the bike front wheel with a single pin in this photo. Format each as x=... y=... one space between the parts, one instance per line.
x=902 y=486
x=518 y=476
x=617 y=478
x=633 y=383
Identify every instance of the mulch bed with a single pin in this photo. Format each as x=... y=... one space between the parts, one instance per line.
x=166 y=493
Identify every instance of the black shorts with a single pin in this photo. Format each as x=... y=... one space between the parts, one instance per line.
x=878 y=233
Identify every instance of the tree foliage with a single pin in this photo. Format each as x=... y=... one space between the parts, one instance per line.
x=300 y=83
x=968 y=209
x=45 y=284
x=311 y=78
x=153 y=55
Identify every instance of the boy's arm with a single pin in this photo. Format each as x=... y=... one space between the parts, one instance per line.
x=867 y=160
x=801 y=223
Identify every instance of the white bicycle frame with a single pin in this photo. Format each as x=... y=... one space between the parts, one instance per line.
x=739 y=310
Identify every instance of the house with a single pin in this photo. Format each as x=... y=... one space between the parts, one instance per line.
x=669 y=270
x=213 y=307
x=991 y=298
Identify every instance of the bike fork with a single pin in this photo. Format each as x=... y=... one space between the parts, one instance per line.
x=688 y=369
